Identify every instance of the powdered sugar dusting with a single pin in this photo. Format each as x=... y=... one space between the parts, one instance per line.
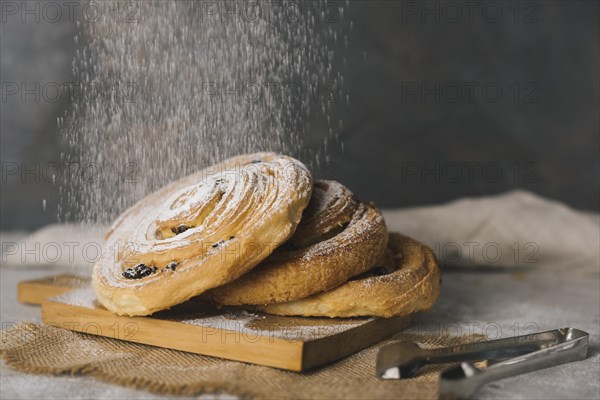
x=249 y=324
x=214 y=204
x=359 y=228
x=176 y=85
x=82 y=297
x=288 y=328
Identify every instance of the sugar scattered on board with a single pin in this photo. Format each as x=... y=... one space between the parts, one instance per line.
x=248 y=324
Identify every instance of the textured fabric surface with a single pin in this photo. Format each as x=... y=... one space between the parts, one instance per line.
x=31 y=347
x=516 y=229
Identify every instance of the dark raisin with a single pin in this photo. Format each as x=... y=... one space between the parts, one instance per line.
x=220 y=180
x=143 y=270
x=179 y=229
x=231 y=237
x=129 y=273
x=172 y=265
x=139 y=271
x=220 y=242
x=378 y=271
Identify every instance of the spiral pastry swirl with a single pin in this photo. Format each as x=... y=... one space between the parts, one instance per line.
x=337 y=238
x=411 y=283
x=200 y=232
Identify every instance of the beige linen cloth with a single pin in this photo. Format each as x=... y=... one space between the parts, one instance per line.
x=513 y=230
x=516 y=229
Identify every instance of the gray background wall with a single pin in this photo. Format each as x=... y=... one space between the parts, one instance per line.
x=401 y=148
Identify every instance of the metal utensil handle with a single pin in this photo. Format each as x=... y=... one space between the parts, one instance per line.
x=499 y=348
x=463 y=381
x=560 y=354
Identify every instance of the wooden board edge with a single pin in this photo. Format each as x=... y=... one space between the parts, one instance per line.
x=37 y=292
x=238 y=346
x=323 y=351
x=293 y=355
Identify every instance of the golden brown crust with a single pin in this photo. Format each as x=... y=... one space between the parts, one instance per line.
x=330 y=209
x=342 y=239
x=216 y=224
x=413 y=287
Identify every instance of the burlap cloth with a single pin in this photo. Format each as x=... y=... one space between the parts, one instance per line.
x=30 y=347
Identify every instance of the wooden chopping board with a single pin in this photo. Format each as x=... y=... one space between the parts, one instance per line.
x=292 y=343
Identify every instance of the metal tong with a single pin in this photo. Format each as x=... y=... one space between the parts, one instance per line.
x=521 y=354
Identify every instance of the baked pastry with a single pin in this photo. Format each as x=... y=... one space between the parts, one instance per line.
x=200 y=232
x=338 y=238
x=411 y=285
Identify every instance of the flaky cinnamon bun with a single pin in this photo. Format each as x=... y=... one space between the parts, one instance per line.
x=411 y=285
x=200 y=232
x=337 y=238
